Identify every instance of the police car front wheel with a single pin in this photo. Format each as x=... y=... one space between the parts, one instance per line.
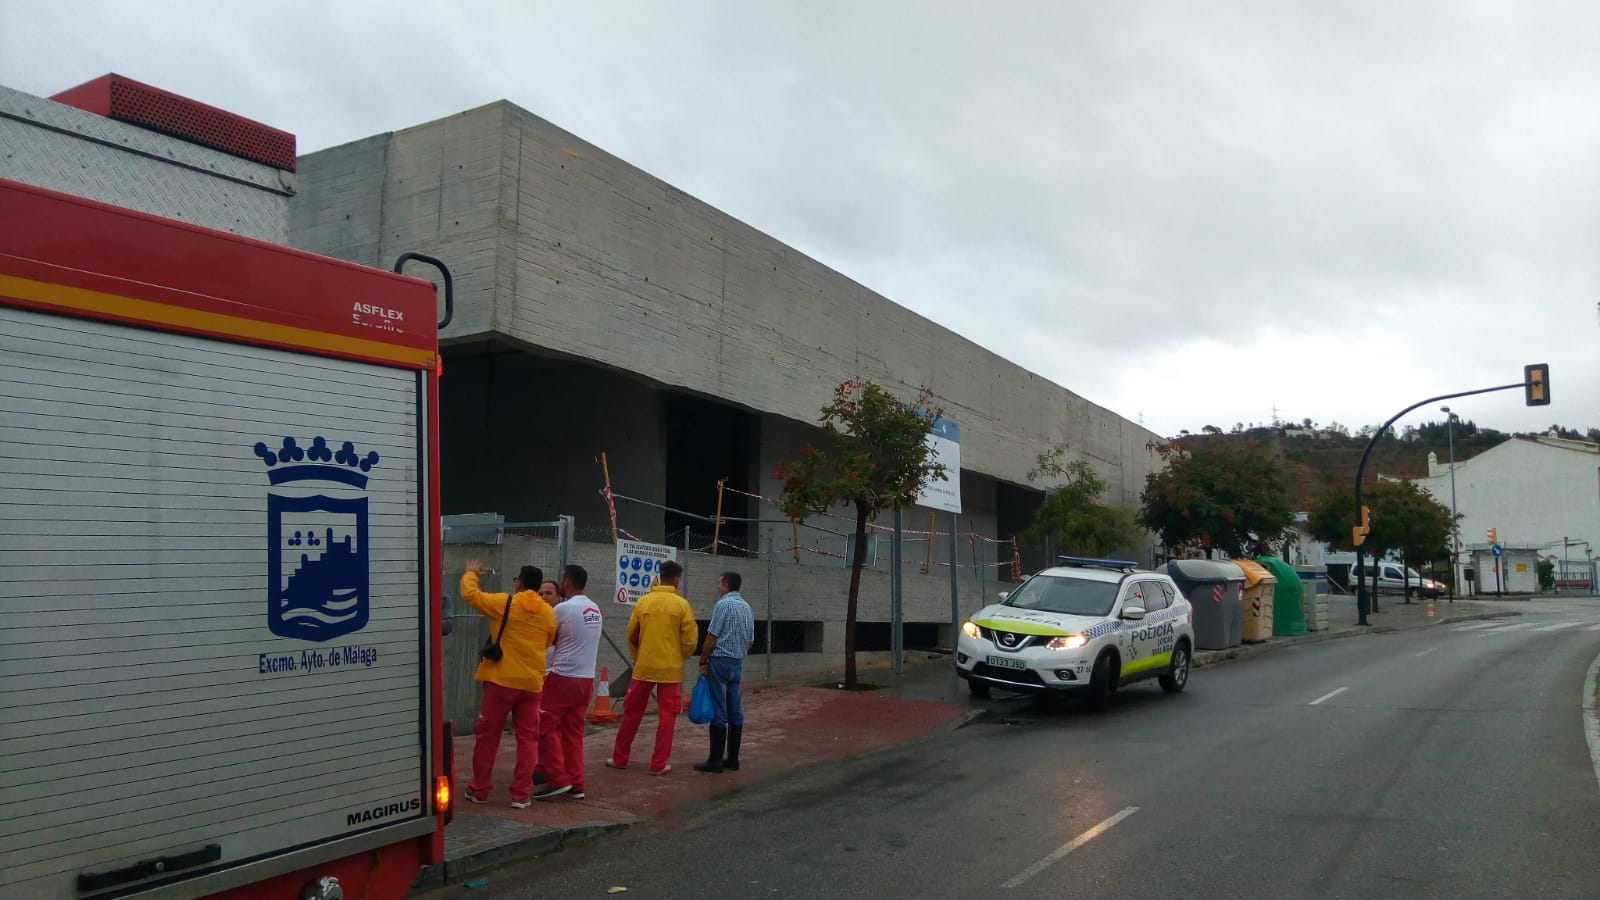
x=1178 y=675
x=1101 y=681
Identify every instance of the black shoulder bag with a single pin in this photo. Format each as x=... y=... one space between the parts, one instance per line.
x=491 y=649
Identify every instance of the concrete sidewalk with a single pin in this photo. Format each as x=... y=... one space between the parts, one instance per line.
x=788 y=728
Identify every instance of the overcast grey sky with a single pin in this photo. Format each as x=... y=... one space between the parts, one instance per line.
x=1190 y=213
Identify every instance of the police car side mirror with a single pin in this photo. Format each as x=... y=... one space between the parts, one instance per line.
x=1133 y=613
x=1004 y=595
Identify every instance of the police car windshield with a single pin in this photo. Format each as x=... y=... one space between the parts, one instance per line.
x=1068 y=596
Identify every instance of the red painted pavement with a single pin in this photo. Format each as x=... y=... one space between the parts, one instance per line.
x=785 y=728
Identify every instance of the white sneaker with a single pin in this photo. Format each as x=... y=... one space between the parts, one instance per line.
x=551 y=791
x=521 y=804
x=663 y=770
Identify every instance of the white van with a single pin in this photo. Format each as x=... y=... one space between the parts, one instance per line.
x=1394 y=580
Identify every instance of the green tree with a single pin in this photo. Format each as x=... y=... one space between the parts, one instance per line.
x=878 y=458
x=1404 y=519
x=1073 y=516
x=1231 y=496
x=1547 y=575
x=1414 y=524
x=1331 y=516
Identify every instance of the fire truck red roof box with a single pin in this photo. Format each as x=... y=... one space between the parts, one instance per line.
x=118 y=97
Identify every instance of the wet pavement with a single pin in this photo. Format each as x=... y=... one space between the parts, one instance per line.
x=793 y=729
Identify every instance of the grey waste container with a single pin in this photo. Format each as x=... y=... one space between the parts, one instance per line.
x=1214 y=590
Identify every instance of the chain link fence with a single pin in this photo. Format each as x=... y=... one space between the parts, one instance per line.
x=502 y=549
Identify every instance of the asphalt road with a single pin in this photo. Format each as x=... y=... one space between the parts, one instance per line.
x=1444 y=762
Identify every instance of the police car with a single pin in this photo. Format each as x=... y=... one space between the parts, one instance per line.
x=1087 y=626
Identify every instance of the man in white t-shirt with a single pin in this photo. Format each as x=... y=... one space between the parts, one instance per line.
x=568 y=684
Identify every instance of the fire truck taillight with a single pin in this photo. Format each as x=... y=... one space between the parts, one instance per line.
x=441 y=793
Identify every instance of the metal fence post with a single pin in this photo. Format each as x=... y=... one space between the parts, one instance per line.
x=897 y=636
x=772 y=560
x=977 y=566
x=564 y=554
x=955 y=605
x=684 y=561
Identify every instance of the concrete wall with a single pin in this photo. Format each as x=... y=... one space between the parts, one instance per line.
x=557 y=244
x=436 y=189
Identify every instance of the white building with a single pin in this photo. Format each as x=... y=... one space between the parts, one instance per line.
x=1539 y=494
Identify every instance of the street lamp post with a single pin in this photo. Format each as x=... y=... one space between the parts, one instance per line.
x=1363 y=605
x=1455 y=530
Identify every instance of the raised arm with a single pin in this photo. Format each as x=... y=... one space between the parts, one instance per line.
x=491 y=605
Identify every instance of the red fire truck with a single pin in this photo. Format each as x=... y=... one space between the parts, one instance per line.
x=219 y=560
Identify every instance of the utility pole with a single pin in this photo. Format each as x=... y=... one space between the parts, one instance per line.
x=1455 y=531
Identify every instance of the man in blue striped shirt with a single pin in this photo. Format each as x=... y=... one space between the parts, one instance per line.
x=728 y=639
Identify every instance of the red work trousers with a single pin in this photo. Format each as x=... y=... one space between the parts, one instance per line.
x=667 y=699
x=523 y=707
x=565 y=702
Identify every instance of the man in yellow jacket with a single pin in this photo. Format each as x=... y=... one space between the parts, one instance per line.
x=523 y=625
x=661 y=634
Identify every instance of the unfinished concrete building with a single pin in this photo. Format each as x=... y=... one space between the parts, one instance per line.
x=617 y=314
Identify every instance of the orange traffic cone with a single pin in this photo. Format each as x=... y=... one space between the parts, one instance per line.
x=602 y=711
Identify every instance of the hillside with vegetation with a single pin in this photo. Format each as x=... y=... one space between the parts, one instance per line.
x=1318 y=457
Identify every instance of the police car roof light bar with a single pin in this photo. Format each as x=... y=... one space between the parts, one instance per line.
x=1120 y=564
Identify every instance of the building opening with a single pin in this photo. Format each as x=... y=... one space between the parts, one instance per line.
x=708 y=441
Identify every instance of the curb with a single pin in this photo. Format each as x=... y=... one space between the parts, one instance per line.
x=1591 y=719
x=999 y=706
x=454 y=871
x=966 y=719
x=1206 y=658
x=1476 y=617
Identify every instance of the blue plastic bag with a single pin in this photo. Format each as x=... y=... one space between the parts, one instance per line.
x=700 y=702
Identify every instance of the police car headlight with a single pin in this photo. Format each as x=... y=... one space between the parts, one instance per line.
x=1067 y=642
x=970 y=629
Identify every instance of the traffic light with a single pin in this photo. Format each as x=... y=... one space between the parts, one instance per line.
x=1494 y=536
x=1358 y=533
x=1536 y=384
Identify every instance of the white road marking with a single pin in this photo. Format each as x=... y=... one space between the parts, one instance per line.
x=1594 y=627
x=1558 y=626
x=1068 y=847
x=1517 y=627
x=1425 y=652
x=1474 y=626
x=1328 y=696
x=1591 y=721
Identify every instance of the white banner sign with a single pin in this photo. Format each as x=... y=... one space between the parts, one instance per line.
x=639 y=567
x=944 y=439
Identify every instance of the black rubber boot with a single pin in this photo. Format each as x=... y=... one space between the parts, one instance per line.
x=735 y=732
x=713 y=763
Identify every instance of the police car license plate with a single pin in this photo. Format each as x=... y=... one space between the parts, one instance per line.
x=1002 y=662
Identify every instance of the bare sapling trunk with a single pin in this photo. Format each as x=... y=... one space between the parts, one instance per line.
x=855 y=593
